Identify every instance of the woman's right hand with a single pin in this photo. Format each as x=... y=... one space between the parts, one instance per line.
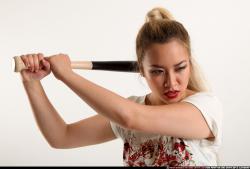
x=38 y=67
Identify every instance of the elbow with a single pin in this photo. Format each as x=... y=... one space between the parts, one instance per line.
x=55 y=145
x=130 y=119
x=128 y=123
x=128 y=116
x=60 y=141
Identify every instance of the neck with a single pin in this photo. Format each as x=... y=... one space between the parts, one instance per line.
x=150 y=100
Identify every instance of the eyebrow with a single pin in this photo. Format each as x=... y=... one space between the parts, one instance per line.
x=176 y=65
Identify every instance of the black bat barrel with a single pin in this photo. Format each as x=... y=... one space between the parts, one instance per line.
x=122 y=66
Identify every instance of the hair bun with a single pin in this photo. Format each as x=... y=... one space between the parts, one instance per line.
x=158 y=14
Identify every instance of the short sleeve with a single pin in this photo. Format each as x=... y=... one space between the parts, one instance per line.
x=211 y=109
x=114 y=128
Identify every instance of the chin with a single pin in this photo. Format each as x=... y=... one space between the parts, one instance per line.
x=172 y=100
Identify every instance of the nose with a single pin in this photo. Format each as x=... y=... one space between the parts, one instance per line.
x=170 y=81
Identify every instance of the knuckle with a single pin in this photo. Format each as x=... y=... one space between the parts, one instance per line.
x=40 y=55
x=23 y=57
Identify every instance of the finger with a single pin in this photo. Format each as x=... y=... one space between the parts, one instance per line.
x=48 y=59
x=31 y=62
x=25 y=60
x=40 y=58
x=36 y=62
x=64 y=55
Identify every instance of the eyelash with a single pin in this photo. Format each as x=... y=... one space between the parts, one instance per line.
x=156 y=72
x=181 y=68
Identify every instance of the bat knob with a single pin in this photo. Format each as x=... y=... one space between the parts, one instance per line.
x=17 y=64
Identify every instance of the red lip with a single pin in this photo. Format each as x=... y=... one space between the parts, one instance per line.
x=171 y=94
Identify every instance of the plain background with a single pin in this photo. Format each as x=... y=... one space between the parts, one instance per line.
x=106 y=30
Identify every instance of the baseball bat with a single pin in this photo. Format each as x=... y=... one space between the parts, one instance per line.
x=120 y=66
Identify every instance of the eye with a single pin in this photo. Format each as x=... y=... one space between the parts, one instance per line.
x=180 y=68
x=156 y=72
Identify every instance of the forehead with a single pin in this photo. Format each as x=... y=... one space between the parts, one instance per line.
x=167 y=54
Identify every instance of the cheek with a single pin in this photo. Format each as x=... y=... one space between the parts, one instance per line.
x=154 y=82
x=152 y=79
x=184 y=78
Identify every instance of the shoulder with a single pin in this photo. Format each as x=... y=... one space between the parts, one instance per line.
x=202 y=98
x=211 y=108
x=207 y=102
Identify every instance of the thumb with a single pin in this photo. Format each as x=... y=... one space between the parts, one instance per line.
x=46 y=64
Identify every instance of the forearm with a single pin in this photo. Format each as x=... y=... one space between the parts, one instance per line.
x=103 y=101
x=49 y=122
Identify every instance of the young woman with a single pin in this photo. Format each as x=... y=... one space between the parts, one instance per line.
x=177 y=124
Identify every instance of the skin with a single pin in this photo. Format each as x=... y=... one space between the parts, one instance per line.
x=165 y=116
x=166 y=67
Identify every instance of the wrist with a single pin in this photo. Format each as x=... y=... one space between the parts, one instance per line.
x=31 y=84
x=29 y=81
x=67 y=76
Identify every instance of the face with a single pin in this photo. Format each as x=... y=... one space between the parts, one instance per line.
x=166 y=68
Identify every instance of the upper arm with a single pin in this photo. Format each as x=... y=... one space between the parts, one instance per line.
x=93 y=130
x=181 y=119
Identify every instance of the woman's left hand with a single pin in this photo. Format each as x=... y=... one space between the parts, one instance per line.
x=60 y=65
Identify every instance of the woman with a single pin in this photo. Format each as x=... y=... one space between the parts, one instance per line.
x=177 y=124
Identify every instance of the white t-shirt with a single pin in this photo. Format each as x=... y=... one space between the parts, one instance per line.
x=144 y=149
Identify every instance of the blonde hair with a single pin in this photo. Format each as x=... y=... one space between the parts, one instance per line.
x=160 y=27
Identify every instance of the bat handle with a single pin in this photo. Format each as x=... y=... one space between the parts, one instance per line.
x=81 y=65
x=18 y=65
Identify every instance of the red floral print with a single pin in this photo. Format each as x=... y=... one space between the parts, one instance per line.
x=164 y=151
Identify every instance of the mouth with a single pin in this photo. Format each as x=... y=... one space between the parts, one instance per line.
x=172 y=94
